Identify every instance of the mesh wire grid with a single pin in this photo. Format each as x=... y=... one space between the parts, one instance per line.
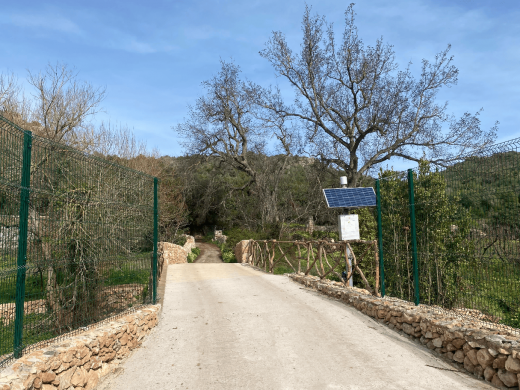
x=88 y=239
x=467 y=219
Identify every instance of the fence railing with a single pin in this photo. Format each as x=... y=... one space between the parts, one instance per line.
x=78 y=239
x=320 y=258
x=451 y=236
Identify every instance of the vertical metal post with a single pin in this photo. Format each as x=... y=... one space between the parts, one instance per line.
x=22 y=244
x=414 y=236
x=380 y=238
x=155 y=238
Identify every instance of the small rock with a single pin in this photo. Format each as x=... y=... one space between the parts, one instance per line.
x=459 y=356
x=92 y=380
x=437 y=342
x=484 y=358
x=513 y=365
x=407 y=328
x=468 y=365
x=489 y=373
x=496 y=381
x=472 y=355
x=509 y=379
x=500 y=362
x=458 y=343
x=450 y=347
x=65 y=378
x=492 y=352
x=48 y=377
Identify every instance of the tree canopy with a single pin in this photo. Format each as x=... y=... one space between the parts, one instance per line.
x=359 y=109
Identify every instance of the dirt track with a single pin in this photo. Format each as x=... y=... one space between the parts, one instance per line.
x=209 y=253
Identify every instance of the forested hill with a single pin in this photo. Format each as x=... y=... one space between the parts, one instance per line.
x=488 y=186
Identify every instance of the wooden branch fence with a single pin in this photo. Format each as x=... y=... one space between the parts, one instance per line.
x=316 y=257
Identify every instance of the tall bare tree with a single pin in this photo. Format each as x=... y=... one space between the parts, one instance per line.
x=229 y=124
x=63 y=105
x=359 y=110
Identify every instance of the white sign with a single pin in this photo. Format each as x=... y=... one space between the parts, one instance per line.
x=348 y=227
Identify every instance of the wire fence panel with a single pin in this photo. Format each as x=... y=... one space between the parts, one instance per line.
x=468 y=235
x=397 y=241
x=76 y=239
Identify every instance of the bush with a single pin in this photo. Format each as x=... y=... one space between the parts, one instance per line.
x=228 y=255
x=192 y=256
x=180 y=240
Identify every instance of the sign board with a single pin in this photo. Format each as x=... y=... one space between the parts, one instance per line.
x=348 y=227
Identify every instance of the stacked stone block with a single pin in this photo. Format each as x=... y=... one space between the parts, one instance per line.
x=79 y=362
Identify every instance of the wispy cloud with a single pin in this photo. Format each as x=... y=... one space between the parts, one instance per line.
x=47 y=21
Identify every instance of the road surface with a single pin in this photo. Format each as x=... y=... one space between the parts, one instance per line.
x=227 y=326
x=209 y=253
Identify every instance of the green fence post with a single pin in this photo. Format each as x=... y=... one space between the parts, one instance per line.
x=22 y=244
x=414 y=237
x=380 y=239
x=155 y=237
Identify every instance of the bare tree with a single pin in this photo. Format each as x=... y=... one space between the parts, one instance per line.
x=229 y=124
x=13 y=104
x=359 y=110
x=63 y=105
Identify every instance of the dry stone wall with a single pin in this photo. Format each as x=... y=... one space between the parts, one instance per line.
x=79 y=362
x=483 y=349
x=8 y=310
x=169 y=253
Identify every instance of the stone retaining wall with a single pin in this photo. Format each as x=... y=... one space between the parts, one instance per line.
x=8 y=310
x=484 y=349
x=169 y=253
x=78 y=363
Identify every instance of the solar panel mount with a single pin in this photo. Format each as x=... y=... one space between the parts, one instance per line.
x=350 y=198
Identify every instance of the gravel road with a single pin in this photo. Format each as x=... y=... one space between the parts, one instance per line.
x=227 y=326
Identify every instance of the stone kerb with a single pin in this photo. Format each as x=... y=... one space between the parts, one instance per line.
x=483 y=349
x=79 y=362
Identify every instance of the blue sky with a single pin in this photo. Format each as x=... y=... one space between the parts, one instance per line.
x=152 y=56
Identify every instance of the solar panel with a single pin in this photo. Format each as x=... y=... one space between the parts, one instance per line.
x=350 y=198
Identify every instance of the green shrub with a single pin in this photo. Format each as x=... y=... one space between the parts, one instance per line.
x=180 y=240
x=228 y=255
x=192 y=256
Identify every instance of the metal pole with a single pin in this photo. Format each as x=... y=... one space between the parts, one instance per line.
x=414 y=237
x=22 y=244
x=380 y=239
x=155 y=237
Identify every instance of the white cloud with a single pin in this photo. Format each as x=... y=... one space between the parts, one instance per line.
x=48 y=21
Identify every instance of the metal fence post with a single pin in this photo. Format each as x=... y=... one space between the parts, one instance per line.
x=155 y=237
x=414 y=236
x=22 y=244
x=380 y=239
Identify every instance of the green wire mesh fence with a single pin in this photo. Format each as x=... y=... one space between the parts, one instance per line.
x=78 y=240
x=467 y=230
